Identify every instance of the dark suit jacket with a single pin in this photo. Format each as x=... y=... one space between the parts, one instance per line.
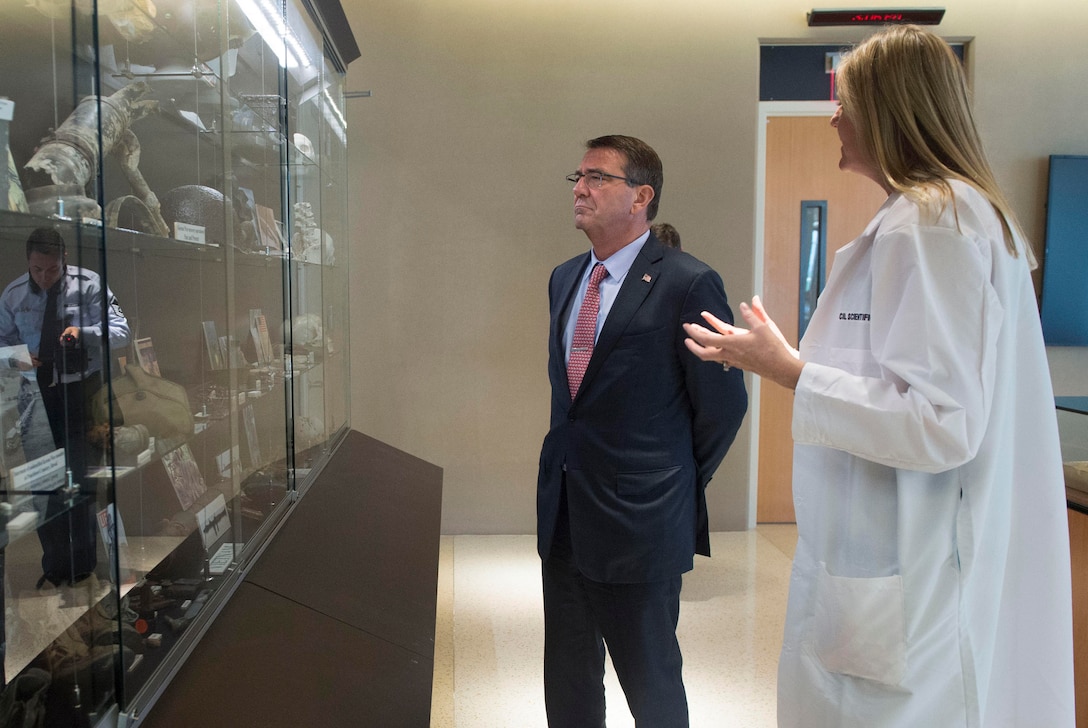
x=648 y=427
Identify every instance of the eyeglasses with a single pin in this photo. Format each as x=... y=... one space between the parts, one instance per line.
x=595 y=179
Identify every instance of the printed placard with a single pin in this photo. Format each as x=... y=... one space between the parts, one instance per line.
x=223 y=558
x=188 y=233
x=40 y=474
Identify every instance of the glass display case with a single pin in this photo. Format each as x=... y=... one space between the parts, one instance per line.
x=173 y=326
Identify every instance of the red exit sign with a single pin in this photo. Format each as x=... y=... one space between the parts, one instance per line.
x=919 y=16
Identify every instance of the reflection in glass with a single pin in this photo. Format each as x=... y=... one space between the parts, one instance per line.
x=813 y=260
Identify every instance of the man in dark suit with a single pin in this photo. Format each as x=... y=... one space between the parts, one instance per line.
x=634 y=440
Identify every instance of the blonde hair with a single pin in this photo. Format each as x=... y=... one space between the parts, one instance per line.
x=906 y=93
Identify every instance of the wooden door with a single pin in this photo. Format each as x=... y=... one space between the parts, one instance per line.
x=1078 y=543
x=802 y=164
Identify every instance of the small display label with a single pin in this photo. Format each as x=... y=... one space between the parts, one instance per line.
x=223 y=558
x=41 y=474
x=187 y=233
x=7 y=109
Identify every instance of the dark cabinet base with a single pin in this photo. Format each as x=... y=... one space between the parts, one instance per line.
x=334 y=625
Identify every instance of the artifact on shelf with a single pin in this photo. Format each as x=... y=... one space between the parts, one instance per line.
x=305 y=333
x=68 y=156
x=68 y=201
x=195 y=21
x=139 y=398
x=11 y=191
x=24 y=699
x=205 y=208
x=314 y=245
x=133 y=19
x=304 y=145
x=256 y=125
x=197 y=205
x=129 y=212
x=124 y=442
x=246 y=235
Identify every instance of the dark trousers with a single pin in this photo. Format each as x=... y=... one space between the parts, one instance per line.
x=68 y=536
x=637 y=622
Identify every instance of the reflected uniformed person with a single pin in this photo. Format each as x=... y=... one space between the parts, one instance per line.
x=64 y=315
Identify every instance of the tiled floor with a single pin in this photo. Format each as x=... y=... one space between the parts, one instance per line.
x=490 y=633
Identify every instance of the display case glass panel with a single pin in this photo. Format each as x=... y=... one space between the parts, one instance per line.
x=173 y=319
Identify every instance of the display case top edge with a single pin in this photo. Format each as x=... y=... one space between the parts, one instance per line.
x=329 y=14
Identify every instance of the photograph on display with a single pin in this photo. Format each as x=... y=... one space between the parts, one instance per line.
x=211 y=341
x=145 y=354
x=251 y=436
x=184 y=475
x=258 y=328
x=269 y=230
x=266 y=341
x=228 y=462
x=213 y=520
x=245 y=210
x=232 y=353
x=108 y=523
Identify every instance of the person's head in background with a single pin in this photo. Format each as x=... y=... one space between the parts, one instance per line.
x=667 y=234
x=45 y=256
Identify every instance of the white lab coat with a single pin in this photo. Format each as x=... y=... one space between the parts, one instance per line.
x=931 y=583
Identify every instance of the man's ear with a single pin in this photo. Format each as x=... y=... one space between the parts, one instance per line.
x=644 y=195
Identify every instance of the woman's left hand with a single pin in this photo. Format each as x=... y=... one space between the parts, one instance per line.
x=762 y=349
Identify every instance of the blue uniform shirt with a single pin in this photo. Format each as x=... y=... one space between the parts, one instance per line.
x=82 y=303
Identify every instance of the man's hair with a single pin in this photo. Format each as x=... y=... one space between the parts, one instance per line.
x=906 y=93
x=643 y=166
x=45 y=241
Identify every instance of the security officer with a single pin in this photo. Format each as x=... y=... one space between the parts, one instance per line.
x=63 y=314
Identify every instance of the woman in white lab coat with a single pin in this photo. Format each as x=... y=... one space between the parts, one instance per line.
x=931 y=583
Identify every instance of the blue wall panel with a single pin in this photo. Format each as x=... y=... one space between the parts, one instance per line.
x=1065 y=268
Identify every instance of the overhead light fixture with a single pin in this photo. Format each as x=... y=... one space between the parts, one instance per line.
x=876 y=16
x=268 y=21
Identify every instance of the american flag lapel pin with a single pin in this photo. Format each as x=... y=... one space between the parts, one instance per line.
x=646 y=278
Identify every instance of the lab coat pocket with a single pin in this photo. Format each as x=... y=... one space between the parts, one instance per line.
x=858 y=626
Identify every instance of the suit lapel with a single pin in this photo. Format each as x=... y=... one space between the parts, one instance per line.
x=636 y=286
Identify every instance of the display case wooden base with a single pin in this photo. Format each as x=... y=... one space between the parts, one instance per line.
x=334 y=625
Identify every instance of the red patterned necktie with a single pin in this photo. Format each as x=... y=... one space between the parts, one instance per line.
x=585 y=330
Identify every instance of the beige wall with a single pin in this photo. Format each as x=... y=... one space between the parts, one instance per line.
x=479 y=109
